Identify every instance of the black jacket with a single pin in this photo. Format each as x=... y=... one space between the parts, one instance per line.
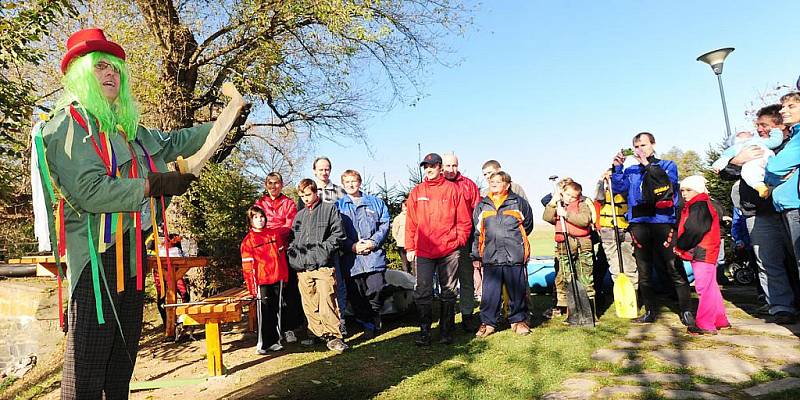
x=317 y=236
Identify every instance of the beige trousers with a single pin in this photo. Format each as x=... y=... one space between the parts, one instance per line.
x=318 y=295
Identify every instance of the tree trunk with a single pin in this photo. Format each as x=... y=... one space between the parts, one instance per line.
x=178 y=75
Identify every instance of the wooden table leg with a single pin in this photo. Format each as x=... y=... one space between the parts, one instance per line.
x=170 y=311
x=252 y=316
x=214 y=348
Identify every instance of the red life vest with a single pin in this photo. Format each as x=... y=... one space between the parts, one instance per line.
x=708 y=248
x=572 y=230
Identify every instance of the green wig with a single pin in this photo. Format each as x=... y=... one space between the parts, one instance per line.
x=81 y=85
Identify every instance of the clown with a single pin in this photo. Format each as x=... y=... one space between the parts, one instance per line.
x=106 y=179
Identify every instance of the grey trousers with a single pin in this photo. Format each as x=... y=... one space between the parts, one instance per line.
x=466 y=281
x=446 y=269
x=610 y=248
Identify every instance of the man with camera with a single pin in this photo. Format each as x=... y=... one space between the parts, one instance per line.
x=651 y=185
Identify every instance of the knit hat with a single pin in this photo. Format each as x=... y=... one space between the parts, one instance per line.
x=695 y=182
x=86 y=41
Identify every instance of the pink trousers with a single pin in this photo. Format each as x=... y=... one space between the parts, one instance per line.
x=710 y=310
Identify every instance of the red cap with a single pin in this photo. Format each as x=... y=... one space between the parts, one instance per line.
x=86 y=41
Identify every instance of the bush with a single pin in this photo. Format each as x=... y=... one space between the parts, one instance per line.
x=215 y=214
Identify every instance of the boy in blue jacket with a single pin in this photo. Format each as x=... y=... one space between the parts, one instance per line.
x=366 y=225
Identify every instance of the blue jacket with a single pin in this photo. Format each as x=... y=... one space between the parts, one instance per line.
x=369 y=220
x=630 y=181
x=785 y=196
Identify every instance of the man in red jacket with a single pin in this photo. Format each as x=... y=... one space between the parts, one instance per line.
x=279 y=211
x=437 y=225
x=466 y=282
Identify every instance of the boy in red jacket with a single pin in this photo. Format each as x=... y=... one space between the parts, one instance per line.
x=265 y=271
x=437 y=224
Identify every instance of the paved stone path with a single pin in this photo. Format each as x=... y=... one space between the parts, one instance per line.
x=660 y=360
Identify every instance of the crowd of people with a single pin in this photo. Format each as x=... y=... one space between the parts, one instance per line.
x=107 y=179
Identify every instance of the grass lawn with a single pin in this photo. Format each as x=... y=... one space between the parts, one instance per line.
x=542 y=240
x=391 y=367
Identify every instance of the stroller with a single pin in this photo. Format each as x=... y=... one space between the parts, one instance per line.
x=742 y=267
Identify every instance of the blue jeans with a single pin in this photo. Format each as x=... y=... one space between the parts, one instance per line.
x=770 y=244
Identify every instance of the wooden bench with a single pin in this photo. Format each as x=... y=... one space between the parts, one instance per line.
x=220 y=308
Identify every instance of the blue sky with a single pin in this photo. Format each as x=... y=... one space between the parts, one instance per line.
x=557 y=87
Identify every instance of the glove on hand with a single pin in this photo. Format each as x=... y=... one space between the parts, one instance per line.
x=169 y=183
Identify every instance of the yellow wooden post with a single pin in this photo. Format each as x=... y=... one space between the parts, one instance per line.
x=213 y=348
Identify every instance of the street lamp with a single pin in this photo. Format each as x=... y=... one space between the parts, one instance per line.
x=715 y=59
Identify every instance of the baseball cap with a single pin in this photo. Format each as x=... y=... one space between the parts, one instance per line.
x=431 y=158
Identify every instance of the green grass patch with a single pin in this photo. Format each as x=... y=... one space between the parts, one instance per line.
x=8 y=381
x=503 y=365
x=542 y=240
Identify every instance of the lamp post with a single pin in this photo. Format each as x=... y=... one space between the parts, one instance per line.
x=715 y=59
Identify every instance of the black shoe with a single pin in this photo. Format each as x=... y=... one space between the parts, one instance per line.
x=424 y=338
x=694 y=330
x=687 y=318
x=468 y=323
x=647 y=318
x=784 y=318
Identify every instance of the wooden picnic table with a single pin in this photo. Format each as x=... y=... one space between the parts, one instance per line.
x=45 y=265
x=180 y=266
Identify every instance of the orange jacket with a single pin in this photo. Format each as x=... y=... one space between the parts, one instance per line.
x=438 y=220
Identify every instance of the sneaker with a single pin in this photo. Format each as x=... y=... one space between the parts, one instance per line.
x=275 y=347
x=520 y=328
x=337 y=345
x=307 y=342
x=262 y=352
x=687 y=318
x=290 y=337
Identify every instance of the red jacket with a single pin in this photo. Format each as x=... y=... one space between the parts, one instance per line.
x=280 y=212
x=265 y=253
x=438 y=220
x=698 y=231
x=472 y=196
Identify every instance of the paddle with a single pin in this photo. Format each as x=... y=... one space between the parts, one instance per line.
x=624 y=292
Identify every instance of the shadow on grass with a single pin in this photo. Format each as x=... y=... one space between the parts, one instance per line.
x=503 y=365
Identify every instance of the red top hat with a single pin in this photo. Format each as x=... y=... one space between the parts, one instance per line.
x=86 y=41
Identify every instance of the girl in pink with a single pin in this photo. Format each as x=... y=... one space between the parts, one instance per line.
x=698 y=242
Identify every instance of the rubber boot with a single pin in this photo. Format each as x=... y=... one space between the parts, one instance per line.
x=425 y=319
x=447 y=323
x=468 y=324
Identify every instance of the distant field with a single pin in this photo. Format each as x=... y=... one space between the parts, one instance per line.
x=542 y=240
